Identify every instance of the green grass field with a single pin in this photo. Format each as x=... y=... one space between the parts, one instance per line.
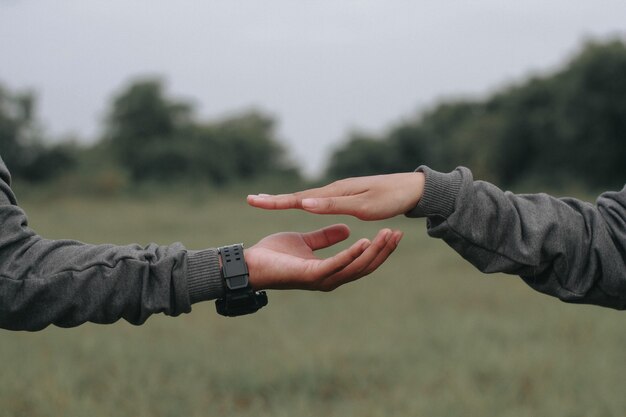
x=426 y=335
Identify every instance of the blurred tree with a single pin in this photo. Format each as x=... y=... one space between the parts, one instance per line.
x=441 y=128
x=546 y=131
x=553 y=126
x=361 y=155
x=157 y=138
x=591 y=109
x=249 y=140
x=142 y=124
x=409 y=143
x=21 y=145
x=16 y=127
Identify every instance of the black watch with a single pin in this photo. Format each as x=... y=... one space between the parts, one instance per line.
x=239 y=297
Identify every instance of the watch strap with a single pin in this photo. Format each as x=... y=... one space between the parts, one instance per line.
x=239 y=297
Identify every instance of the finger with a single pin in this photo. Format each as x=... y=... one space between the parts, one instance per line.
x=348 y=275
x=294 y=200
x=340 y=261
x=391 y=246
x=327 y=236
x=286 y=201
x=355 y=269
x=352 y=205
x=274 y=202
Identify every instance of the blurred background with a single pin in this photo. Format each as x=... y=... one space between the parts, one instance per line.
x=150 y=121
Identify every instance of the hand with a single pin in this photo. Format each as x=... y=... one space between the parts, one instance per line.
x=367 y=198
x=286 y=260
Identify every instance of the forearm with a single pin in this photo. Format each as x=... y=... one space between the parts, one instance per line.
x=562 y=247
x=67 y=283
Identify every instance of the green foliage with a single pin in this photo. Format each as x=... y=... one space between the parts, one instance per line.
x=361 y=156
x=142 y=127
x=15 y=121
x=149 y=138
x=556 y=130
x=158 y=139
x=574 y=120
x=565 y=129
x=21 y=144
x=593 y=102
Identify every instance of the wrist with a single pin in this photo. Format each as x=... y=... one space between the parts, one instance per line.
x=416 y=187
x=248 y=253
x=440 y=191
x=204 y=277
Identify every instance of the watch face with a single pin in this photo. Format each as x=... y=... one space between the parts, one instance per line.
x=234 y=304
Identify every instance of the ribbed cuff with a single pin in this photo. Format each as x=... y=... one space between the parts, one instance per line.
x=440 y=193
x=204 y=279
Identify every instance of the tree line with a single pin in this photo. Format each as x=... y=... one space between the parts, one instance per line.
x=558 y=129
x=147 y=137
x=554 y=130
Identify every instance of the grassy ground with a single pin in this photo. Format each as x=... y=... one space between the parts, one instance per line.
x=425 y=335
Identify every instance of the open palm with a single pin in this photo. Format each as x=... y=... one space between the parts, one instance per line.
x=287 y=260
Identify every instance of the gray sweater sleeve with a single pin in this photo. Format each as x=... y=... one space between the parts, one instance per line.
x=566 y=248
x=66 y=283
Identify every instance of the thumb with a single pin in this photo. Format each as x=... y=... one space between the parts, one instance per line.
x=326 y=237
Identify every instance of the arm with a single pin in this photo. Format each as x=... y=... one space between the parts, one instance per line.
x=67 y=283
x=562 y=247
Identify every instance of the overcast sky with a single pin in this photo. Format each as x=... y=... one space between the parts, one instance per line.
x=321 y=67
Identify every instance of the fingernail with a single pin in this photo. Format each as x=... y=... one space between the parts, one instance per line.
x=257 y=196
x=399 y=238
x=309 y=203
